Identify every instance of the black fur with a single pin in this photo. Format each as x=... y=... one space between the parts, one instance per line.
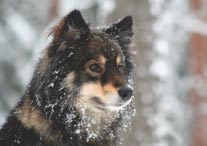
x=68 y=52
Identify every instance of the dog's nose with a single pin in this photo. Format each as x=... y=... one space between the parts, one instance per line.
x=125 y=93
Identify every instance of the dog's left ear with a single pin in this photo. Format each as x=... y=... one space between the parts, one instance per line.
x=121 y=31
x=72 y=28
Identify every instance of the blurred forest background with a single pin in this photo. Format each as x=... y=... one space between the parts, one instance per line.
x=171 y=60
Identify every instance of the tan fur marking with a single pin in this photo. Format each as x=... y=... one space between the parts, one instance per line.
x=33 y=119
x=102 y=60
x=109 y=88
x=92 y=89
x=70 y=78
x=68 y=81
x=97 y=90
x=118 y=60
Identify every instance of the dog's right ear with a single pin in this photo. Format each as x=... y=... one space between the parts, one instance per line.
x=71 y=28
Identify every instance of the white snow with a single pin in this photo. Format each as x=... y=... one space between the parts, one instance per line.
x=71 y=53
x=16 y=22
x=170 y=121
x=51 y=85
x=160 y=68
x=66 y=6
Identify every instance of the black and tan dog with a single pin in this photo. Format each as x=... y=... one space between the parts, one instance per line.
x=80 y=94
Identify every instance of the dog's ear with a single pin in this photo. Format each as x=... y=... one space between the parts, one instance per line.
x=121 y=31
x=71 y=28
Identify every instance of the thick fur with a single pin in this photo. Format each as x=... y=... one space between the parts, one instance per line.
x=72 y=99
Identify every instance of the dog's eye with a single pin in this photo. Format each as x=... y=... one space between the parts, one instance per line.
x=95 y=68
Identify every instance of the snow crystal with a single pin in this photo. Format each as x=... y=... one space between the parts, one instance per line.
x=51 y=106
x=69 y=118
x=91 y=136
x=51 y=85
x=17 y=141
x=38 y=100
x=71 y=53
x=56 y=72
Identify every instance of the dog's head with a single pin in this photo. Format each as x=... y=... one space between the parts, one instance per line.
x=87 y=71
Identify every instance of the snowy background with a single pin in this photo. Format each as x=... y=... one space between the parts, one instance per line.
x=166 y=84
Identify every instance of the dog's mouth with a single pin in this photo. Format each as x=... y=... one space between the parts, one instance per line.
x=99 y=104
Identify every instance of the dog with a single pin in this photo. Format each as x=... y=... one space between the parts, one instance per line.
x=81 y=93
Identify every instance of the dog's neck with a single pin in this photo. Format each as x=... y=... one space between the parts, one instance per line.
x=32 y=118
